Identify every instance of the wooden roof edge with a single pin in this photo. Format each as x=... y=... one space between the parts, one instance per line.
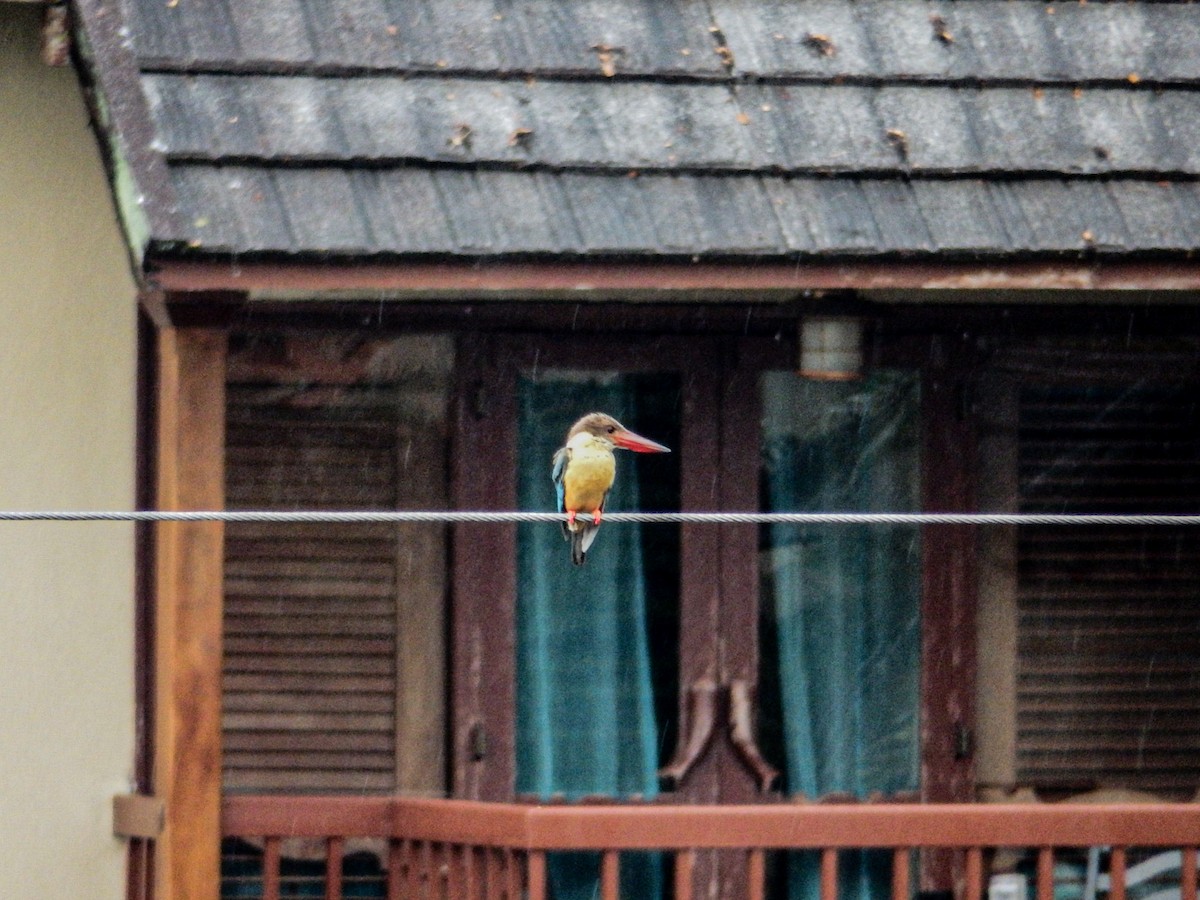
x=282 y=280
x=144 y=195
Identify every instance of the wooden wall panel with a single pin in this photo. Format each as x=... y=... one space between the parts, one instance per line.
x=1109 y=618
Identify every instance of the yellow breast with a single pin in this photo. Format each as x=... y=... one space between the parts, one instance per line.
x=589 y=474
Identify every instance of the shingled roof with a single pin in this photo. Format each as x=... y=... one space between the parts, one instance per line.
x=799 y=129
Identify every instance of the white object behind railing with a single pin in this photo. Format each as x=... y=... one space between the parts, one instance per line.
x=1148 y=871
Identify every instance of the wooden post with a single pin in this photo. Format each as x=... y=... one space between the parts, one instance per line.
x=189 y=563
x=420 y=615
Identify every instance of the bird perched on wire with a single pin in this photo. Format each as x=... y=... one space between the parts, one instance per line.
x=584 y=469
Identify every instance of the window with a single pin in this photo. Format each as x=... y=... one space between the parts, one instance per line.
x=1099 y=627
x=334 y=633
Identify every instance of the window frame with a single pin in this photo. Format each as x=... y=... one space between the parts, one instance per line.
x=720 y=561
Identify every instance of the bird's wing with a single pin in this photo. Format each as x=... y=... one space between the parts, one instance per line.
x=561 y=457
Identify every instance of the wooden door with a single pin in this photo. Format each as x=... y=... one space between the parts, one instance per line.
x=710 y=746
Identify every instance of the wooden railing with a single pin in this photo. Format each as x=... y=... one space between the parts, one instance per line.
x=460 y=849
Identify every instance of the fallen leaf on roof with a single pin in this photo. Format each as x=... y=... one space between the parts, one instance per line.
x=743 y=119
x=821 y=43
x=941 y=31
x=607 y=55
x=520 y=137
x=722 y=48
x=898 y=139
x=461 y=136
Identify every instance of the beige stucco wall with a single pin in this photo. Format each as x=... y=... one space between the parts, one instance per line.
x=66 y=441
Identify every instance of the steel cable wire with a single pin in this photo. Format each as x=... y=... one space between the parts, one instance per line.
x=719 y=518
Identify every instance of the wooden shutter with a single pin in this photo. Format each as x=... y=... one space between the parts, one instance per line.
x=311 y=610
x=1108 y=690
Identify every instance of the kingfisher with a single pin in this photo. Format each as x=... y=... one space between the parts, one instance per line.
x=583 y=473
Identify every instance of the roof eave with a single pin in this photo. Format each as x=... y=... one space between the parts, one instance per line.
x=349 y=278
x=144 y=196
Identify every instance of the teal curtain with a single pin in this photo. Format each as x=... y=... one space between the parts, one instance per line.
x=846 y=599
x=585 y=704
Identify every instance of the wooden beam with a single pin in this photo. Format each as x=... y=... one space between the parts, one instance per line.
x=532 y=828
x=484 y=574
x=137 y=816
x=420 y=614
x=189 y=563
x=948 y=598
x=476 y=277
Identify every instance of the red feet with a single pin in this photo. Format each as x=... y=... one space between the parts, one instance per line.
x=572 y=513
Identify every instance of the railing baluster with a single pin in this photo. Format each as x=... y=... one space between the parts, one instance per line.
x=1045 y=873
x=829 y=874
x=432 y=885
x=395 y=861
x=512 y=875
x=1116 y=872
x=610 y=875
x=536 y=873
x=420 y=869
x=460 y=874
x=494 y=872
x=974 y=873
x=335 y=852
x=270 y=864
x=1187 y=875
x=408 y=878
x=901 y=873
x=685 y=871
x=756 y=873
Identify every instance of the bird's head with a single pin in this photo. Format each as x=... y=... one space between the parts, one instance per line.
x=608 y=430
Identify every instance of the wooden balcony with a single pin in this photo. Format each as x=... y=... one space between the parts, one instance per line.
x=461 y=849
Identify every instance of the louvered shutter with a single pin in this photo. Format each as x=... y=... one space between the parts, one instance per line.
x=311 y=613
x=1108 y=690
